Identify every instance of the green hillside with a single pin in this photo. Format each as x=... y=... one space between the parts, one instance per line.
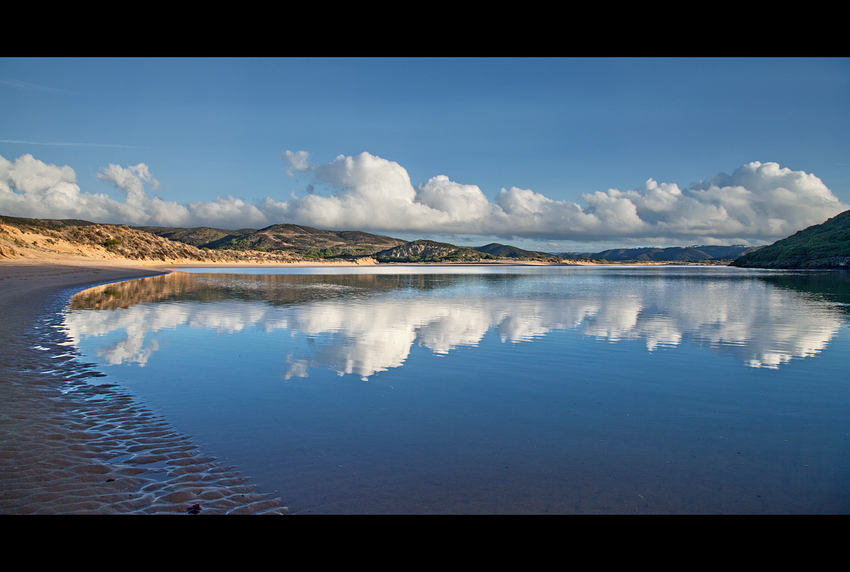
x=507 y=251
x=292 y=238
x=431 y=251
x=670 y=254
x=825 y=246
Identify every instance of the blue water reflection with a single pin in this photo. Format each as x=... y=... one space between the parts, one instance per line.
x=497 y=389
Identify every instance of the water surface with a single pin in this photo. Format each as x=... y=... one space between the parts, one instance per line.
x=497 y=389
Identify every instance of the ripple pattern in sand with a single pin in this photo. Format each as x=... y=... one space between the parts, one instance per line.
x=68 y=446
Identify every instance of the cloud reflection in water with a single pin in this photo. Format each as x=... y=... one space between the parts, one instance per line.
x=364 y=324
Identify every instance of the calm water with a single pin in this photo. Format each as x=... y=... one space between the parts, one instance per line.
x=427 y=389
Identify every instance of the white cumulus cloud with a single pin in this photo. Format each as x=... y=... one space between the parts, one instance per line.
x=33 y=189
x=757 y=203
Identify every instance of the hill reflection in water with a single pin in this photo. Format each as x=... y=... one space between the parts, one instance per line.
x=375 y=319
x=497 y=389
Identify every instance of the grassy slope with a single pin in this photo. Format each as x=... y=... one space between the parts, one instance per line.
x=296 y=239
x=825 y=245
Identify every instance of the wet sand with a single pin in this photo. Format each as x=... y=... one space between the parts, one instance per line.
x=72 y=447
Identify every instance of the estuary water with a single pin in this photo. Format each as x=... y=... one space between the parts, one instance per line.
x=497 y=389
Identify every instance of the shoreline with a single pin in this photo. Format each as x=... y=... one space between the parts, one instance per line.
x=72 y=447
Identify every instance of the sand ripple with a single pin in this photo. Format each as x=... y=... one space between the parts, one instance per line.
x=68 y=446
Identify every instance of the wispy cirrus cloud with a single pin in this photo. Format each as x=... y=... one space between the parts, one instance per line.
x=31 y=86
x=68 y=144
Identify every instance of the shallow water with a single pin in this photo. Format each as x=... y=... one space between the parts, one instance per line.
x=496 y=389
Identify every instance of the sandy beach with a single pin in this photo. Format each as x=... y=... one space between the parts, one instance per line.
x=70 y=447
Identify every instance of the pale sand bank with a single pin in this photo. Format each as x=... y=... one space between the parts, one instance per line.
x=67 y=446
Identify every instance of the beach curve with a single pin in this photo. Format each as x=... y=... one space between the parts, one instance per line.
x=72 y=447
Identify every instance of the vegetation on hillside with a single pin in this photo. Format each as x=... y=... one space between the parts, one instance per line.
x=297 y=240
x=822 y=246
x=723 y=254
x=109 y=241
x=431 y=251
x=506 y=251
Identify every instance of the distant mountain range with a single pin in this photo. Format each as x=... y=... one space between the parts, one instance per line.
x=671 y=254
x=310 y=242
x=822 y=246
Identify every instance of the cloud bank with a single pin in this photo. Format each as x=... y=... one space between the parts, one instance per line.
x=757 y=203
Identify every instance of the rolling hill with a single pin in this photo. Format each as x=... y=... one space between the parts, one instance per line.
x=822 y=246
x=35 y=238
x=506 y=251
x=431 y=251
x=292 y=238
x=670 y=254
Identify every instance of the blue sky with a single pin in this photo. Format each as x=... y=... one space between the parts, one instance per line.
x=552 y=153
